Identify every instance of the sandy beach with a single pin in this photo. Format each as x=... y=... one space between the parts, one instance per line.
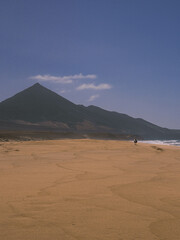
x=89 y=190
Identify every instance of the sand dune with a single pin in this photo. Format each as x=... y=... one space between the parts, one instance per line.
x=89 y=190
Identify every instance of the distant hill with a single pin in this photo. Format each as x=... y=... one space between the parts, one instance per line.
x=38 y=108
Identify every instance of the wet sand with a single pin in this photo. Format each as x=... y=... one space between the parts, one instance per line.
x=89 y=190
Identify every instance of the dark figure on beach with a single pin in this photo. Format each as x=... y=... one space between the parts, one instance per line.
x=135 y=141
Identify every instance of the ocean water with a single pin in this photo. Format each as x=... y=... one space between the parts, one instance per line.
x=163 y=142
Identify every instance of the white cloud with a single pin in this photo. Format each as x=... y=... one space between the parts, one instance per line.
x=93 y=97
x=62 y=91
x=63 y=79
x=102 y=86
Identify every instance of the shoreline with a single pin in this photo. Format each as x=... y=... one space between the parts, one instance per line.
x=148 y=142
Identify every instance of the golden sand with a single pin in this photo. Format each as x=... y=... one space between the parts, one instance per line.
x=89 y=190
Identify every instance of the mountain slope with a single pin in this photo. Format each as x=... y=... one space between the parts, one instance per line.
x=126 y=124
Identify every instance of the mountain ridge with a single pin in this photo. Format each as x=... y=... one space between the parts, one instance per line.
x=37 y=107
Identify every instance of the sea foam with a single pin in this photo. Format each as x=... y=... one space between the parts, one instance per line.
x=163 y=142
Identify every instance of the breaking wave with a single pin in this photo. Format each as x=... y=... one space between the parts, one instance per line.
x=163 y=142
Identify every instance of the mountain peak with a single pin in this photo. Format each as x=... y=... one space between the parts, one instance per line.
x=36 y=88
x=36 y=85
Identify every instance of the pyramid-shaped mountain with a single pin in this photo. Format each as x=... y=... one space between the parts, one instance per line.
x=38 y=106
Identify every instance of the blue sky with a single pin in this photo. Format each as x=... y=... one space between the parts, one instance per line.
x=121 y=55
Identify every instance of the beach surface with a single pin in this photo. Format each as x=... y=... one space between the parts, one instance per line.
x=89 y=190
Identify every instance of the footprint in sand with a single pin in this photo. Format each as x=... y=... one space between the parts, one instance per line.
x=158 y=148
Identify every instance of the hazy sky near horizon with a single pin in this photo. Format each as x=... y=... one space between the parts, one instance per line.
x=121 y=55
